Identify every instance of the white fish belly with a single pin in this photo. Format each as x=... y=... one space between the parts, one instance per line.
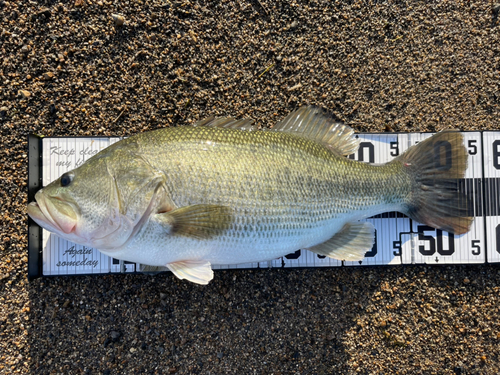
x=153 y=247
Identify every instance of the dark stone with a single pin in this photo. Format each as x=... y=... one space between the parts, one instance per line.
x=495 y=9
x=44 y=13
x=52 y=109
x=115 y=335
x=107 y=342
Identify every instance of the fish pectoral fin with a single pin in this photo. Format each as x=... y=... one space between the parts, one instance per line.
x=351 y=243
x=201 y=221
x=196 y=271
x=317 y=124
x=227 y=122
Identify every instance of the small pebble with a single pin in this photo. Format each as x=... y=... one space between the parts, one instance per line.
x=48 y=75
x=25 y=94
x=118 y=19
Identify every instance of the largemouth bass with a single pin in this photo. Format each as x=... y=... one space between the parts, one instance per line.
x=222 y=192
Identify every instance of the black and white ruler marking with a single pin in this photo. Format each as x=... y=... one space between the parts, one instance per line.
x=399 y=240
x=491 y=150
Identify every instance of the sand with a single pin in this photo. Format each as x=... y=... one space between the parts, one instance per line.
x=70 y=69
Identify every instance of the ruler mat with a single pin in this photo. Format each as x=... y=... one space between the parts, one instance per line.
x=399 y=240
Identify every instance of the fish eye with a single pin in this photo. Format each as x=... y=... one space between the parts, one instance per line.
x=66 y=179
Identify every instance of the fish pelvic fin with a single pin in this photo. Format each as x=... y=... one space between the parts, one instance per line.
x=196 y=271
x=200 y=221
x=318 y=125
x=351 y=243
x=435 y=167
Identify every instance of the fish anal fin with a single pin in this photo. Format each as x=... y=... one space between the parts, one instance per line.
x=201 y=221
x=196 y=271
x=320 y=126
x=351 y=243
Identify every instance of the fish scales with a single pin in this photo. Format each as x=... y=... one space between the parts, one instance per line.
x=266 y=170
x=282 y=189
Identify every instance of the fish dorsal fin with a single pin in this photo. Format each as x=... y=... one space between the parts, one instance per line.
x=318 y=125
x=227 y=122
x=196 y=271
x=351 y=243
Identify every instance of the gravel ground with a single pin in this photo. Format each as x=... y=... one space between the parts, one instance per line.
x=71 y=69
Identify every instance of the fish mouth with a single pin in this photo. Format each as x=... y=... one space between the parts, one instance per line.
x=53 y=213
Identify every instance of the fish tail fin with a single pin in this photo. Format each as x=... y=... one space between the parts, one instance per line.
x=435 y=166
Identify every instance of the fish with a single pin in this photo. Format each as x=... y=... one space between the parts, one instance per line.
x=224 y=192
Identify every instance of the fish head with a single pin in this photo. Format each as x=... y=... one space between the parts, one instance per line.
x=83 y=206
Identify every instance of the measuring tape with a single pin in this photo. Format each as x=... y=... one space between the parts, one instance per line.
x=398 y=239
